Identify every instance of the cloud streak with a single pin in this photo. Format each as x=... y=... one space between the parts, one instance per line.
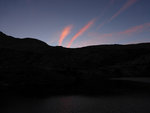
x=65 y=33
x=130 y=31
x=104 y=11
x=135 y=29
x=125 y=6
x=128 y=4
x=81 y=31
x=109 y=38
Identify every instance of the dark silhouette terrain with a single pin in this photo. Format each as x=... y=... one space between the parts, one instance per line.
x=32 y=64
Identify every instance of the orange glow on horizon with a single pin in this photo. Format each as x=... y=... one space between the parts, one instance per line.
x=64 y=33
x=81 y=31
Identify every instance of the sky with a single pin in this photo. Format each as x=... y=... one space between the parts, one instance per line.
x=77 y=23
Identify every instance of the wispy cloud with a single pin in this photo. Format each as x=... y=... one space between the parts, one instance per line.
x=125 y=6
x=135 y=29
x=111 y=2
x=128 y=4
x=130 y=31
x=64 y=33
x=109 y=38
x=81 y=31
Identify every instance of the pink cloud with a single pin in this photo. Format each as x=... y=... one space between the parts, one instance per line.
x=81 y=31
x=65 y=33
x=115 y=36
x=135 y=29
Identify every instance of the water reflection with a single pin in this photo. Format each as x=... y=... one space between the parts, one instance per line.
x=77 y=104
x=66 y=105
x=119 y=103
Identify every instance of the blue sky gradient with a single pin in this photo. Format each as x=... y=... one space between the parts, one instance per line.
x=46 y=19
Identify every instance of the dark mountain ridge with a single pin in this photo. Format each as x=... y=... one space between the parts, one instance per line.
x=21 y=44
x=30 y=61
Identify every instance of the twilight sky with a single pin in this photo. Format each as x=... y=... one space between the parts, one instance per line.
x=77 y=23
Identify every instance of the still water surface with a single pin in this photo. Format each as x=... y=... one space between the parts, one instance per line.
x=77 y=104
x=118 y=103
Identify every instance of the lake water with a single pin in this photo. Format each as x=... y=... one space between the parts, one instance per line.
x=76 y=104
x=118 y=103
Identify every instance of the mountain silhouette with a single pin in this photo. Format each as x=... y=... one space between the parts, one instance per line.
x=28 y=44
x=31 y=62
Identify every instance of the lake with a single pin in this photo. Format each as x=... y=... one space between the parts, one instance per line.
x=76 y=104
x=117 y=103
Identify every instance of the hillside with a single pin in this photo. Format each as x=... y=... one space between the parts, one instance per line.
x=31 y=62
